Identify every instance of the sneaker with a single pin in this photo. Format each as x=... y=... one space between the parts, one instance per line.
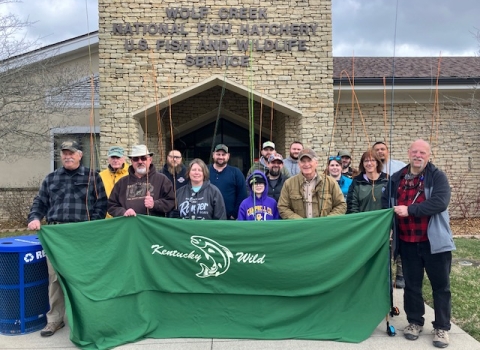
x=412 y=331
x=399 y=282
x=440 y=338
x=51 y=328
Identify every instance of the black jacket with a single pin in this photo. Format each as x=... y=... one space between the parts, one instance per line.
x=274 y=191
x=180 y=178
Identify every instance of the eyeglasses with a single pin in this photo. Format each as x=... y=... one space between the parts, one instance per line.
x=175 y=157
x=136 y=159
x=337 y=158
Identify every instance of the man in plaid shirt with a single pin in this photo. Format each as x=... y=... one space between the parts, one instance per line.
x=420 y=194
x=72 y=193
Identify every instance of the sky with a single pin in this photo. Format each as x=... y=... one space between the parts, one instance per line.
x=360 y=27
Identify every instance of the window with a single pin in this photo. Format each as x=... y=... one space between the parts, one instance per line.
x=84 y=138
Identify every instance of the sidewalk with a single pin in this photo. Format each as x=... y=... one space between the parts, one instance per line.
x=379 y=340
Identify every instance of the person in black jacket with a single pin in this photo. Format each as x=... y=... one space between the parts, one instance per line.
x=174 y=170
x=200 y=199
x=274 y=175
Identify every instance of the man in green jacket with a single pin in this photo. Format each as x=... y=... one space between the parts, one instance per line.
x=310 y=194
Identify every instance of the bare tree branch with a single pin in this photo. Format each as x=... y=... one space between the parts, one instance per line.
x=37 y=90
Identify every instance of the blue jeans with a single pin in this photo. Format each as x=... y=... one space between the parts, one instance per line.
x=417 y=258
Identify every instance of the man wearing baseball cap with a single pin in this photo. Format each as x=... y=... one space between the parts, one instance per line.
x=268 y=148
x=117 y=168
x=346 y=159
x=310 y=194
x=72 y=193
x=228 y=179
x=274 y=176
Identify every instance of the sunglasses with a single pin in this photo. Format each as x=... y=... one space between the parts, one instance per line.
x=136 y=159
x=337 y=158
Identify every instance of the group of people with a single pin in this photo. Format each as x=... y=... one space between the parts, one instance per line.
x=274 y=188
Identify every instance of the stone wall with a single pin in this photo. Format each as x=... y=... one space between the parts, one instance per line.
x=131 y=80
x=15 y=204
x=453 y=135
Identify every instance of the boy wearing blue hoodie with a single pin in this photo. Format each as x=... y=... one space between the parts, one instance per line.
x=259 y=206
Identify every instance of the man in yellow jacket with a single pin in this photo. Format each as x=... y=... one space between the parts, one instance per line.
x=117 y=168
x=310 y=194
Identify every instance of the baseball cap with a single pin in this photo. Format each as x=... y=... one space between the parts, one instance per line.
x=276 y=156
x=268 y=144
x=344 y=153
x=116 y=151
x=71 y=146
x=221 y=147
x=258 y=179
x=307 y=152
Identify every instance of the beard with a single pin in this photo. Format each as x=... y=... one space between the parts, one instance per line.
x=220 y=162
x=275 y=171
x=293 y=156
x=141 y=170
x=175 y=169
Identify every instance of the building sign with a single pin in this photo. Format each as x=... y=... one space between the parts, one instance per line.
x=220 y=51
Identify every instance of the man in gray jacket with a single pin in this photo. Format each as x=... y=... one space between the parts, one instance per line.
x=420 y=194
x=291 y=162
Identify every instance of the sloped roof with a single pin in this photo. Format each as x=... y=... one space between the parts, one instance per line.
x=80 y=93
x=407 y=67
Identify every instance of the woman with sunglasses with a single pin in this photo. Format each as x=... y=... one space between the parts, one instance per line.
x=334 y=169
x=365 y=193
x=199 y=199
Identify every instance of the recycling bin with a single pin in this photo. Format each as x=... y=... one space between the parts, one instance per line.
x=23 y=285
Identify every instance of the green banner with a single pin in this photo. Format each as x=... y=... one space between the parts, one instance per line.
x=127 y=279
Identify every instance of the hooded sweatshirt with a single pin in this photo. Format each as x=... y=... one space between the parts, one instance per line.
x=258 y=209
x=130 y=191
x=206 y=204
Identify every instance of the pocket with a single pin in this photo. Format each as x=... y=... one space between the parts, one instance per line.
x=296 y=198
x=80 y=190
x=57 y=192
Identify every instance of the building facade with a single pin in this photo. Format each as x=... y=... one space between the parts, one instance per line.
x=189 y=77
x=223 y=72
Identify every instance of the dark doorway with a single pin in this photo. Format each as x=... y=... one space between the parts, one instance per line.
x=198 y=144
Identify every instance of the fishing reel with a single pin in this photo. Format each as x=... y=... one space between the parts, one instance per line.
x=394 y=311
x=391 y=330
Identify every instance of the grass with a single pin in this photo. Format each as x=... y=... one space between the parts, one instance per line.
x=16 y=233
x=465 y=287
x=465 y=284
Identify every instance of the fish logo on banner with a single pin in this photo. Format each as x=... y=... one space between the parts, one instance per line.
x=217 y=256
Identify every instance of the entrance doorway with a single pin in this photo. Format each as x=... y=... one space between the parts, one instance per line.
x=198 y=144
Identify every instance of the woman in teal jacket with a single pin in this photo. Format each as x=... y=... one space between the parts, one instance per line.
x=334 y=169
x=365 y=192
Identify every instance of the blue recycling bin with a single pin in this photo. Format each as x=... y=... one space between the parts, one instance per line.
x=23 y=285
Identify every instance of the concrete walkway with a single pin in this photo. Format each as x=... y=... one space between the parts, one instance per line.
x=379 y=340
